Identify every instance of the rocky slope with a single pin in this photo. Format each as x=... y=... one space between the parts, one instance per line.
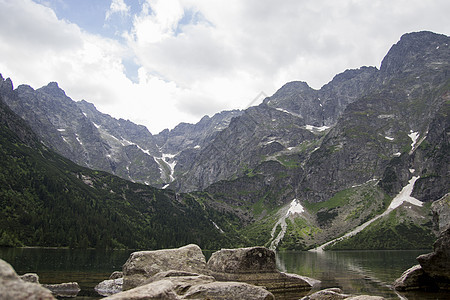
x=394 y=127
x=78 y=131
x=47 y=200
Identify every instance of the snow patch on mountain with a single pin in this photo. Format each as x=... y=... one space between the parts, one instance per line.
x=403 y=196
x=315 y=128
x=295 y=208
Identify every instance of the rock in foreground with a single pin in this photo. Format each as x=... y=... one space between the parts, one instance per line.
x=12 y=287
x=67 y=289
x=245 y=273
x=168 y=285
x=336 y=294
x=255 y=265
x=433 y=271
x=143 y=265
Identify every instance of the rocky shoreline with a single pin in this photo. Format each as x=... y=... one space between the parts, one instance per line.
x=242 y=273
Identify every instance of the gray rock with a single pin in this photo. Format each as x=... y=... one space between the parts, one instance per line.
x=109 y=287
x=116 y=275
x=255 y=265
x=30 y=277
x=67 y=289
x=436 y=264
x=166 y=285
x=141 y=266
x=433 y=271
x=412 y=279
x=327 y=294
x=12 y=287
x=228 y=290
x=162 y=289
x=243 y=261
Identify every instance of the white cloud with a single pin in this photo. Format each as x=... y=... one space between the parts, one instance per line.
x=198 y=57
x=117 y=7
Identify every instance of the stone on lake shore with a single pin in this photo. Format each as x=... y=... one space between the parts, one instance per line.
x=12 y=287
x=67 y=289
x=109 y=287
x=142 y=265
x=243 y=269
x=181 y=285
x=228 y=290
x=30 y=277
x=337 y=294
x=433 y=271
x=255 y=265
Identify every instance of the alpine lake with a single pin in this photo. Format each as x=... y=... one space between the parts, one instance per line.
x=355 y=272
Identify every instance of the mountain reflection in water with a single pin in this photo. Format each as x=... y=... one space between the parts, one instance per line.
x=356 y=272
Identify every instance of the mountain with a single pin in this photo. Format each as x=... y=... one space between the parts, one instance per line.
x=300 y=169
x=372 y=132
x=78 y=131
x=47 y=200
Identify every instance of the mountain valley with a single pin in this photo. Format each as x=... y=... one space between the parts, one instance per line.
x=300 y=169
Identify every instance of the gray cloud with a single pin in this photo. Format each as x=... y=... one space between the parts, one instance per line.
x=185 y=67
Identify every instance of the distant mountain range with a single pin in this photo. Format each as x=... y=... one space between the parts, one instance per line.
x=340 y=153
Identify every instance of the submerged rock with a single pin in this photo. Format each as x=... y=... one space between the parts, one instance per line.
x=337 y=294
x=255 y=265
x=12 y=287
x=67 y=289
x=327 y=294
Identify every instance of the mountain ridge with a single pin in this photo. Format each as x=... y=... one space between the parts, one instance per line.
x=341 y=152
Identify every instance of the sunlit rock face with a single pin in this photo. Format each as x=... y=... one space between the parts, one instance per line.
x=143 y=265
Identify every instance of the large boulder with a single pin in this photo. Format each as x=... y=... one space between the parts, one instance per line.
x=412 y=279
x=143 y=265
x=243 y=261
x=433 y=271
x=168 y=285
x=255 y=265
x=437 y=263
x=12 y=287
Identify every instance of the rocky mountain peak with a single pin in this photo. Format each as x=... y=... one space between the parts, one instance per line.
x=6 y=84
x=53 y=89
x=414 y=50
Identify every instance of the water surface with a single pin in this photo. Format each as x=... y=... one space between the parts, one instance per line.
x=357 y=272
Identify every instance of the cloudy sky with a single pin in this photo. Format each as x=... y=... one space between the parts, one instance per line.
x=162 y=62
